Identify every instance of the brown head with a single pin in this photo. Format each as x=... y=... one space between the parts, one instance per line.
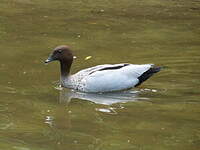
x=61 y=53
x=64 y=55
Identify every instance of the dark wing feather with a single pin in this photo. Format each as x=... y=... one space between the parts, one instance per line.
x=111 y=67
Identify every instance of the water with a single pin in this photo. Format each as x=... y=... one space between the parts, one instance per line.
x=161 y=114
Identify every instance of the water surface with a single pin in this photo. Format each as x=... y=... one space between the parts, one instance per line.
x=161 y=114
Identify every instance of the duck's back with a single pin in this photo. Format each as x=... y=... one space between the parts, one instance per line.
x=106 y=78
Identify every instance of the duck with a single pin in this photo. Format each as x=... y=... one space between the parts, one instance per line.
x=100 y=78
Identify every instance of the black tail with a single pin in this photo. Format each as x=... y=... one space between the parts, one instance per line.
x=148 y=74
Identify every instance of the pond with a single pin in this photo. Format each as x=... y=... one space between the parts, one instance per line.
x=161 y=114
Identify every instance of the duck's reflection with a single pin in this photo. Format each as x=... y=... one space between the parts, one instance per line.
x=67 y=95
x=76 y=124
x=106 y=105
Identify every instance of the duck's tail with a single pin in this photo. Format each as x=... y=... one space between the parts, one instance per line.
x=148 y=74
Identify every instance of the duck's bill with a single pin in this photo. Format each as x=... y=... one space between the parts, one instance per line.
x=49 y=60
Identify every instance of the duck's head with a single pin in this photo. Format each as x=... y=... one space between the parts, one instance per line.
x=61 y=53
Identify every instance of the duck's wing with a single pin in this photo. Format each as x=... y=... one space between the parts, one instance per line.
x=89 y=71
x=78 y=79
x=114 y=77
x=123 y=69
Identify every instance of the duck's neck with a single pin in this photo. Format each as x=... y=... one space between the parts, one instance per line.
x=65 y=70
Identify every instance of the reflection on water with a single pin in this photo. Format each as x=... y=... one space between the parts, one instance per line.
x=101 y=98
x=65 y=118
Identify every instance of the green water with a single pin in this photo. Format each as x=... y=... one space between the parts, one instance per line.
x=163 y=113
